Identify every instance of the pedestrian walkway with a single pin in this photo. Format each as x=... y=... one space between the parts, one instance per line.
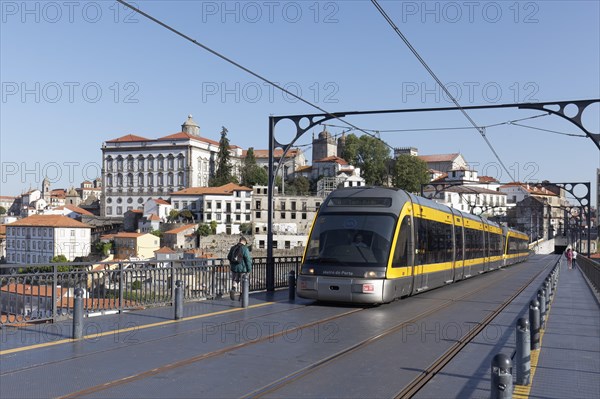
x=569 y=359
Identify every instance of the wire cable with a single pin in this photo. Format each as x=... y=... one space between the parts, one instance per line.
x=243 y=68
x=439 y=82
x=550 y=131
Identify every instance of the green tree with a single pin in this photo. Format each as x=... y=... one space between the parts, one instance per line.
x=2 y=210
x=409 y=173
x=59 y=259
x=204 y=230
x=371 y=155
x=297 y=186
x=246 y=228
x=213 y=227
x=187 y=215
x=223 y=173
x=157 y=233
x=173 y=215
x=252 y=173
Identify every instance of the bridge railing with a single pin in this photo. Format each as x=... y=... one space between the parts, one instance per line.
x=591 y=269
x=37 y=293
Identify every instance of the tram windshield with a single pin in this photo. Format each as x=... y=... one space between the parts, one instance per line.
x=352 y=240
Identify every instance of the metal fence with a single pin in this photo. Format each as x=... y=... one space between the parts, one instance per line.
x=36 y=293
x=591 y=269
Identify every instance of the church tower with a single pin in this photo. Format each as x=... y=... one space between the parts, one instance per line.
x=191 y=127
x=46 y=190
x=324 y=146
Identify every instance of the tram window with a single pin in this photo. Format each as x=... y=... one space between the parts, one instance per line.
x=402 y=244
x=458 y=237
x=434 y=241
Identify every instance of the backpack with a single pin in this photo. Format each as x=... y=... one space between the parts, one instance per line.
x=236 y=254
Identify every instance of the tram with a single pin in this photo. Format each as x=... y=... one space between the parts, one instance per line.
x=373 y=245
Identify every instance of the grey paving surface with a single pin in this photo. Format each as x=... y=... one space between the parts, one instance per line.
x=379 y=371
x=569 y=360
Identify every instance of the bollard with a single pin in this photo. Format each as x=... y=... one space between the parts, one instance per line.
x=541 y=297
x=502 y=384
x=178 y=300
x=534 y=324
x=548 y=292
x=292 y=285
x=523 y=357
x=245 y=290
x=78 y=314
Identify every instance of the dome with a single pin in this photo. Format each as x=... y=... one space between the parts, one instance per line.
x=190 y=126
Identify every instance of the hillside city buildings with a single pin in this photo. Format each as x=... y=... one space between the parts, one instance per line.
x=145 y=181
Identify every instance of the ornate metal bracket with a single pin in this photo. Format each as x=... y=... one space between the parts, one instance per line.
x=307 y=121
x=580 y=105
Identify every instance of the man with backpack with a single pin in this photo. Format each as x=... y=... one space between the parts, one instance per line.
x=240 y=262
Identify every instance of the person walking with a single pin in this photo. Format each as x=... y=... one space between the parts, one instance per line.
x=240 y=263
x=569 y=256
x=574 y=258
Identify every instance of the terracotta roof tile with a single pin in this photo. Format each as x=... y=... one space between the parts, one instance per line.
x=293 y=152
x=128 y=138
x=180 y=229
x=333 y=158
x=78 y=210
x=165 y=250
x=439 y=157
x=49 y=221
x=187 y=136
x=226 y=189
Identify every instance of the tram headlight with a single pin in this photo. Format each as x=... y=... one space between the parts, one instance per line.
x=374 y=274
x=307 y=270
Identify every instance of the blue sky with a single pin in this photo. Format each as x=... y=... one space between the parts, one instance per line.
x=75 y=74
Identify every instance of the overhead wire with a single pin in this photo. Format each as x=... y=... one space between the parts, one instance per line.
x=243 y=68
x=481 y=130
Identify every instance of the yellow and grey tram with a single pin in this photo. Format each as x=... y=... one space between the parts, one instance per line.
x=375 y=244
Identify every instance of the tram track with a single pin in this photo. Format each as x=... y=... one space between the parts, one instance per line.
x=418 y=383
x=146 y=341
x=285 y=381
x=426 y=375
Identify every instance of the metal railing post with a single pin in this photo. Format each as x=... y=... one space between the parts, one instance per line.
x=245 y=290
x=292 y=285
x=523 y=357
x=78 y=314
x=534 y=324
x=121 y=277
x=178 y=300
x=541 y=297
x=502 y=385
x=54 y=292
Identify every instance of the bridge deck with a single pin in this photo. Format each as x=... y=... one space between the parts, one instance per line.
x=147 y=354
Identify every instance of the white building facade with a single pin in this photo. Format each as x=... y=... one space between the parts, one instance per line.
x=38 y=238
x=229 y=205
x=135 y=169
x=292 y=218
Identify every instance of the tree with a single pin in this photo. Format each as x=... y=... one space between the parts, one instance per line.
x=213 y=227
x=59 y=259
x=2 y=210
x=223 y=173
x=298 y=186
x=246 y=228
x=157 y=233
x=409 y=173
x=253 y=174
x=187 y=215
x=173 y=215
x=204 y=230
x=371 y=155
